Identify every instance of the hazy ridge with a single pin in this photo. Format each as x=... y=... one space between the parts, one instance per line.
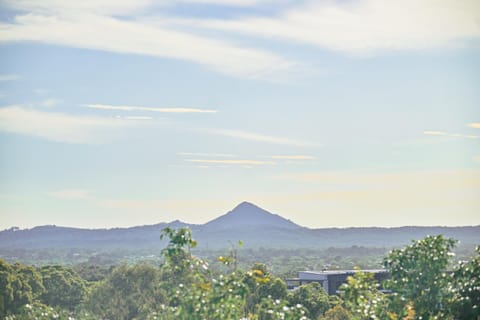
x=255 y=226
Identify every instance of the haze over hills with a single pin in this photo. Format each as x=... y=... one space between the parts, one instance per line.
x=255 y=226
x=247 y=214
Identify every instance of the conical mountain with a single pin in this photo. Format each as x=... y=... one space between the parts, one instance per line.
x=248 y=214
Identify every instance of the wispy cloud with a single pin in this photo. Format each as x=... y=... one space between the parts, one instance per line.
x=475 y=125
x=59 y=127
x=365 y=26
x=61 y=25
x=201 y=154
x=231 y=162
x=260 y=137
x=71 y=194
x=453 y=135
x=9 y=77
x=435 y=133
x=150 y=109
x=468 y=136
x=137 y=118
x=293 y=157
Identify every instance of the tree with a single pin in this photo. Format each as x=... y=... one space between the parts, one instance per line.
x=63 y=287
x=362 y=297
x=19 y=285
x=6 y=289
x=337 y=313
x=418 y=276
x=465 y=288
x=313 y=297
x=129 y=292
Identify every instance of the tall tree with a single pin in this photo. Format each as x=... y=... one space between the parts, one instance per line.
x=418 y=276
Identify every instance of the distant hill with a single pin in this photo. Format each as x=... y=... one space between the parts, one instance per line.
x=255 y=226
x=247 y=214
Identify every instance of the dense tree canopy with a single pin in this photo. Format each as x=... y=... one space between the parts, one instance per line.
x=63 y=287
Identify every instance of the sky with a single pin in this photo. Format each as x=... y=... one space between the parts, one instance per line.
x=331 y=113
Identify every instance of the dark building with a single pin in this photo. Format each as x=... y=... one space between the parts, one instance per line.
x=331 y=280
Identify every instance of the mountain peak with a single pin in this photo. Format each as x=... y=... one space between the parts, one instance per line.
x=246 y=205
x=249 y=214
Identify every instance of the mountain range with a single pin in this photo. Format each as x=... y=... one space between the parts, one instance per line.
x=255 y=226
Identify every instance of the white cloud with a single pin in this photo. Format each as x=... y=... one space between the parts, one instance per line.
x=475 y=125
x=59 y=127
x=99 y=32
x=71 y=194
x=234 y=162
x=260 y=137
x=366 y=26
x=137 y=108
x=9 y=77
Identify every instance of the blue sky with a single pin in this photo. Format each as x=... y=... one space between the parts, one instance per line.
x=330 y=113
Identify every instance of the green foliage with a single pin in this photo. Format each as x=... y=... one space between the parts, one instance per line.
x=6 y=289
x=93 y=273
x=129 y=292
x=313 y=297
x=270 y=309
x=262 y=285
x=177 y=255
x=193 y=290
x=39 y=311
x=465 y=288
x=418 y=276
x=362 y=297
x=204 y=295
x=180 y=240
x=63 y=287
x=337 y=313
x=19 y=285
x=222 y=298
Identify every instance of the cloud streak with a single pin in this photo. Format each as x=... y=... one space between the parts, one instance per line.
x=251 y=136
x=201 y=154
x=150 y=109
x=232 y=162
x=293 y=157
x=59 y=127
x=454 y=135
x=9 y=77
